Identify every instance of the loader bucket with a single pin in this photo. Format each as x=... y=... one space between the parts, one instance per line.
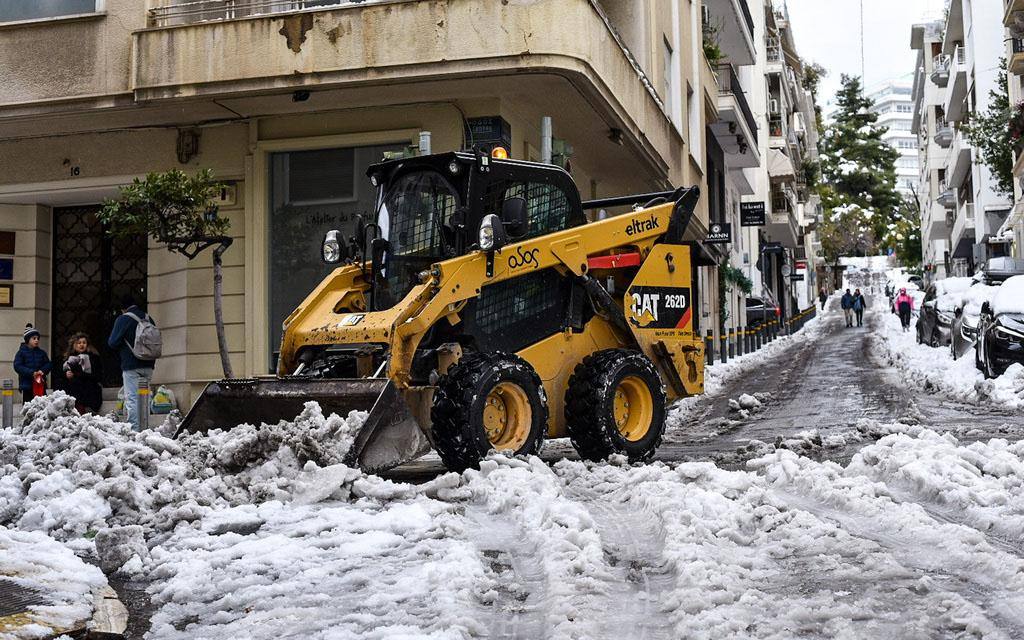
x=389 y=437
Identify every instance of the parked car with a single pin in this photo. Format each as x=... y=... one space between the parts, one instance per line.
x=758 y=312
x=938 y=310
x=997 y=270
x=1001 y=331
x=964 y=331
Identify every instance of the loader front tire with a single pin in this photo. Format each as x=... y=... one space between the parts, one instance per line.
x=615 y=404
x=488 y=401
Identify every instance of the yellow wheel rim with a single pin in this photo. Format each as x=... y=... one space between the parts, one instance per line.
x=507 y=417
x=634 y=408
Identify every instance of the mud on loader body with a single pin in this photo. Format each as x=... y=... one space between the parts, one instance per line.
x=479 y=311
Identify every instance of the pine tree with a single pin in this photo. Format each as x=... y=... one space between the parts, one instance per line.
x=858 y=171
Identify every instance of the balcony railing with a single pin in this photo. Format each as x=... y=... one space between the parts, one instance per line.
x=179 y=13
x=774 y=49
x=775 y=127
x=1016 y=63
x=960 y=55
x=1018 y=45
x=729 y=83
x=940 y=70
x=943 y=133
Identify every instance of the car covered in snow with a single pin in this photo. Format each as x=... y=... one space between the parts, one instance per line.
x=964 y=331
x=1001 y=331
x=938 y=310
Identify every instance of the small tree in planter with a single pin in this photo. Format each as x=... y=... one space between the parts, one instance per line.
x=177 y=210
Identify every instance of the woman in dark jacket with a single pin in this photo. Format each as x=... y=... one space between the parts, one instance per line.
x=83 y=372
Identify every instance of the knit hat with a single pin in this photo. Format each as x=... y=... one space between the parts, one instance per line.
x=29 y=332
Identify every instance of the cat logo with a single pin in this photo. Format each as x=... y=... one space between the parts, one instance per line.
x=645 y=308
x=351 y=319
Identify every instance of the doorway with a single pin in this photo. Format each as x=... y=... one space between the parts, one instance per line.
x=91 y=272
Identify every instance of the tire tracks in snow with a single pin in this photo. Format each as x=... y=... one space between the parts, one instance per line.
x=950 y=568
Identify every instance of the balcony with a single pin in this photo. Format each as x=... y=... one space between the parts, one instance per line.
x=783 y=220
x=956 y=93
x=958 y=162
x=1014 y=15
x=943 y=133
x=946 y=197
x=777 y=129
x=735 y=27
x=962 y=236
x=940 y=70
x=736 y=129
x=1016 y=62
x=773 y=48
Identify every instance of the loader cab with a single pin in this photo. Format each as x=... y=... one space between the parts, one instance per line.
x=430 y=209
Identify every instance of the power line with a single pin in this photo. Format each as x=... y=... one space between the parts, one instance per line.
x=863 y=78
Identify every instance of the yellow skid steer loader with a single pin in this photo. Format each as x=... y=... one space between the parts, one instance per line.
x=480 y=310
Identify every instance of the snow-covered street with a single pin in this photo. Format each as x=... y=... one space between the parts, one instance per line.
x=839 y=497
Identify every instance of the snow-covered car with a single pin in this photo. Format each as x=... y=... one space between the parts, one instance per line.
x=964 y=330
x=998 y=270
x=938 y=310
x=1001 y=331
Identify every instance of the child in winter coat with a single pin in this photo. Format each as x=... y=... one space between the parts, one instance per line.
x=82 y=374
x=32 y=365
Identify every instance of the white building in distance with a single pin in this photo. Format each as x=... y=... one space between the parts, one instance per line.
x=893 y=103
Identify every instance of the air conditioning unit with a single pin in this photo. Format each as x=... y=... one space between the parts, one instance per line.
x=705 y=14
x=773 y=106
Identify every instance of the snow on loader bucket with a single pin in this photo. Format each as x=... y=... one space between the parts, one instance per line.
x=389 y=437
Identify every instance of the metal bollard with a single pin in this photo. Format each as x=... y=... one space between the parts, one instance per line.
x=723 y=345
x=142 y=406
x=732 y=343
x=8 y=420
x=741 y=335
x=757 y=340
x=709 y=347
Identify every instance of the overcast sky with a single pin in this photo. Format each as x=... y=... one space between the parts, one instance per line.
x=828 y=32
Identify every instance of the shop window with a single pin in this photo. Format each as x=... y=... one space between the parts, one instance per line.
x=14 y=10
x=311 y=193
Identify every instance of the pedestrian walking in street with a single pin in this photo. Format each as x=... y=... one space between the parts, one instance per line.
x=83 y=373
x=904 y=305
x=823 y=297
x=32 y=365
x=137 y=341
x=859 y=304
x=847 y=304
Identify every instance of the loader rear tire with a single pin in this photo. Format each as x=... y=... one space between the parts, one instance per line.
x=615 y=404
x=488 y=401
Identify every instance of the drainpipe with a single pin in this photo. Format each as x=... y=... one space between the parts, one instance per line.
x=545 y=139
x=424 y=143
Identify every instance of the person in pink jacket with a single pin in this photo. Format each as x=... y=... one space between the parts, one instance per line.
x=904 y=305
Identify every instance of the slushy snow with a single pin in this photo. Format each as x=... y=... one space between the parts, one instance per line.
x=259 y=533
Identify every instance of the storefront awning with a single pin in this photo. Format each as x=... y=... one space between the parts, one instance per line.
x=780 y=167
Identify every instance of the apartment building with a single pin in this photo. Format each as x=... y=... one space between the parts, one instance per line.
x=934 y=136
x=289 y=101
x=965 y=68
x=788 y=245
x=893 y=103
x=1013 y=20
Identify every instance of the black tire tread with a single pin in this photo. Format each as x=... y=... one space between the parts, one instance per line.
x=455 y=438
x=584 y=400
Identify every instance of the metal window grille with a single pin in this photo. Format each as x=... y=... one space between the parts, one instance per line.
x=547 y=205
x=521 y=310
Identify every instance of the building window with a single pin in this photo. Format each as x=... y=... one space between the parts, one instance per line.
x=15 y=10
x=311 y=192
x=905 y=108
x=669 y=80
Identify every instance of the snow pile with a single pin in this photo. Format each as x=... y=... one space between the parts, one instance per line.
x=69 y=475
x=32 y=560
x=983 y=482
x=934 y=369
x=1010 y=296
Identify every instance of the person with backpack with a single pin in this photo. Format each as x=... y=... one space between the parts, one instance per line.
x=138 y=342
x=31 y=364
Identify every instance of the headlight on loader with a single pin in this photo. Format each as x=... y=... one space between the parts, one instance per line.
x=332 y=253
x=492 y=233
